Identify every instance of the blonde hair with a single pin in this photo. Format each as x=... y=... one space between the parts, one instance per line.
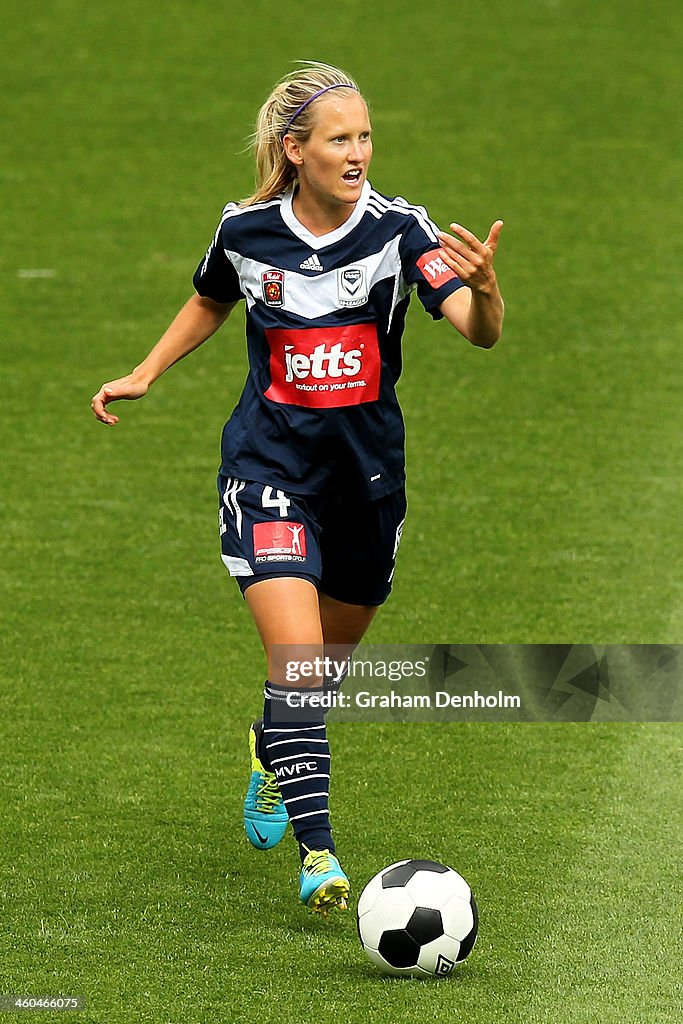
x=274 y=172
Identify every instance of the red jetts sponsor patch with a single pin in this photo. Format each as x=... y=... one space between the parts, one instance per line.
x=433 y=268
x=279 y=542
x=324 y=367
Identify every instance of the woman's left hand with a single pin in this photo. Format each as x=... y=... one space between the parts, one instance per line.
x=471 y=259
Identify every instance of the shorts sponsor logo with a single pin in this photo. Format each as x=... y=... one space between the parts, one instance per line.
x=324 y=367
x=279 y=542
x=352 y=286
x=433 y=268
x=273 y=283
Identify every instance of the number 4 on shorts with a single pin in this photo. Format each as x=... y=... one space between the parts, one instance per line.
x=281 y=502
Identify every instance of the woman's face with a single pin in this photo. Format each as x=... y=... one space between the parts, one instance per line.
x=332 y=164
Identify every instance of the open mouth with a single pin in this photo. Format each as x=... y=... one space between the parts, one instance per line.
x=352 y=177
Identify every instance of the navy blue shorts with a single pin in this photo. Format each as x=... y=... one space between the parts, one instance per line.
x=345 y=546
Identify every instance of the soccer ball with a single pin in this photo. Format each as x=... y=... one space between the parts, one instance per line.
x=417 y=918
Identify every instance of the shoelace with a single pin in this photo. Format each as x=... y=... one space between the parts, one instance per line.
x=320 y=863
x=268 y=795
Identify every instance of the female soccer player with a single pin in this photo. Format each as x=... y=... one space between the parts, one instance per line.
x=312 y=498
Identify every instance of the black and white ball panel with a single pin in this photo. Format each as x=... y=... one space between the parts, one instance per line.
x=377 y=915
x=401 y=872
x=417 y=917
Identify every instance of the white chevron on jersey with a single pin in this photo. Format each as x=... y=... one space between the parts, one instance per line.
x=318 y=296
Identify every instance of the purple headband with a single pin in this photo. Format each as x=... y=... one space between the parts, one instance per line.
x=310 y=100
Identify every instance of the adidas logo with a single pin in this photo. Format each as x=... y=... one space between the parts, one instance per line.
x=312 y=263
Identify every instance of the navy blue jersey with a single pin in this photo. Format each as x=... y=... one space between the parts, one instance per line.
x=325 y=317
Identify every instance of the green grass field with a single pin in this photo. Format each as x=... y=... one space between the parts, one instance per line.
x=544 y=491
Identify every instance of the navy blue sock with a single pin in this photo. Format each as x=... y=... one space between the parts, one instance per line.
x=295 y=741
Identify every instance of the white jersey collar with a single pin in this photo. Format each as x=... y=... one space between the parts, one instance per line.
x=321 y=241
